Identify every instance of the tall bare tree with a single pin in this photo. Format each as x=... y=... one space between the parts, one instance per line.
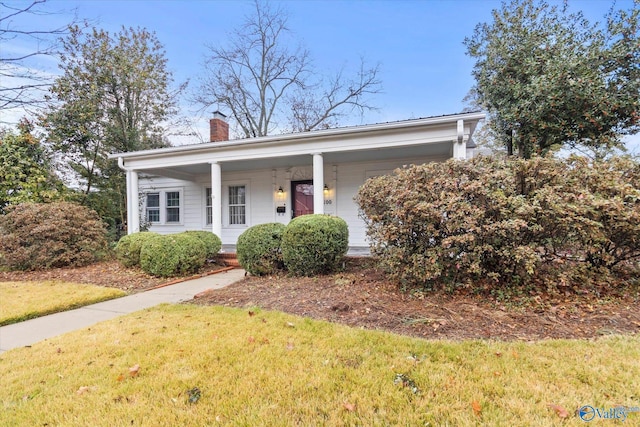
x=21 y=85
x=269 y=86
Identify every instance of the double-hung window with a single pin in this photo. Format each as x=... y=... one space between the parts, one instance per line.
x=163 y=206
x=209 y=206
x=173 y=206
x=237 y=205
x=153 y=207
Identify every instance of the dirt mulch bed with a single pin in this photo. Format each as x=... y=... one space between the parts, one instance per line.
x=108 y=273
x=361 y=297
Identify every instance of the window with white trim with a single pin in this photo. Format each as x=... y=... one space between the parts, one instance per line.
x=237 y=205
x=209 y=206
x=153 y=207
x=173 y=206
x=163 y=206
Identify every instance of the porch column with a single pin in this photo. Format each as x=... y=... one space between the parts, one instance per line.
x=216 y=199
x=135 y=203
x=127 y=187
x=318 y=184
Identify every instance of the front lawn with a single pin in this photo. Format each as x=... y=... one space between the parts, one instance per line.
x=27 y=300
x=191 y=365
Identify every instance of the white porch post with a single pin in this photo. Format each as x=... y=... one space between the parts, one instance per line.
x=216 y=199
x=460 y=144
x=318 y=183
x=135 y=203
x=129 y=209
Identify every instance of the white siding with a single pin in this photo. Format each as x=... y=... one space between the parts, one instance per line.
x=343 y=180
x=350 y=177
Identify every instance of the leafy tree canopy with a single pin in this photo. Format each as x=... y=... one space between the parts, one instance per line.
x=113 y=96
x=550 y=78
x=25 y=169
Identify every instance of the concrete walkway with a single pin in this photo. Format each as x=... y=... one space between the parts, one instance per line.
x=31 y=331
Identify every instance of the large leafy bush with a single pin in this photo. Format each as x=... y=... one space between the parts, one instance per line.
x=508 y=220
x=314 y=244
x=258 y=248
x=128 y=248
x=212 y=243
x=37 y=236
x=173 y=254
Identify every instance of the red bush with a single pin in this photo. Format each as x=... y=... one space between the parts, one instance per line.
x=37 y=236
x=503 y=219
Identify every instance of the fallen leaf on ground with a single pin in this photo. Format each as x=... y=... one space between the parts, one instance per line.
x=349 y=406
x=133 y=371
x=477 y=409
x=83 y=390
x=562 y=413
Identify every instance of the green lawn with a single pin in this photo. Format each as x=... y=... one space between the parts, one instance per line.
x=27 y=300
x=271 y=368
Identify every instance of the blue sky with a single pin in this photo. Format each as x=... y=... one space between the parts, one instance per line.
x=418 y=44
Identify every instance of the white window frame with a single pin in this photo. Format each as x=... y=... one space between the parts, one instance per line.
x=163 y=204
x=226 y=209
x=146 y=207
x=167 y=206
x=208 y=207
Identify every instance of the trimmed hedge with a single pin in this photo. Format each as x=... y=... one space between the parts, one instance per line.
x=212 y=243
x=173 y=254
x=128 y=248
x=36 y=236
x=258 y=248
x=509 y=221
x=314 y=244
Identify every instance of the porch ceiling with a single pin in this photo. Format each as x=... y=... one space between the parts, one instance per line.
x=190 y=172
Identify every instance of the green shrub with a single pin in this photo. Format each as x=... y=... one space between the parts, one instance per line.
x=172 y=254
x=258 y=248
x=507 y=220
x=128 y=248
x=212 y=243
x=314 y=244
x=36 y=236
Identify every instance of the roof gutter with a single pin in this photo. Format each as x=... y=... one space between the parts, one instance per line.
x=121 y=164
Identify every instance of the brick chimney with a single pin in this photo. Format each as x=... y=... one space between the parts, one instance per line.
x=219 y=127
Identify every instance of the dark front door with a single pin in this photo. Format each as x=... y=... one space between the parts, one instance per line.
x=302 y=197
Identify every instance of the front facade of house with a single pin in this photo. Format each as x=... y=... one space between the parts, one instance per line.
x=228 y=186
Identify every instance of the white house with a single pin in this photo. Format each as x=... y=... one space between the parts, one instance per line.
x=227 y=186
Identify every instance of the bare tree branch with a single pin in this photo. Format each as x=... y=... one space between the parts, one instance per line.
x=268 y=85
x=22 y=86
x=322 y=107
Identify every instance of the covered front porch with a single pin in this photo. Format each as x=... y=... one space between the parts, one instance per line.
x=332 y=165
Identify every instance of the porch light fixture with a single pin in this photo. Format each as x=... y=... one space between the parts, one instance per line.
x=280 y=190
x=326 y=188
